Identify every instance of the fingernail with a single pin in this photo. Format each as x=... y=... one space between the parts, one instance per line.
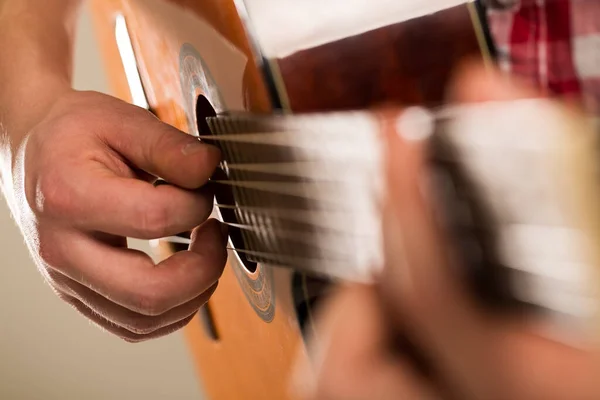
x=192 y=148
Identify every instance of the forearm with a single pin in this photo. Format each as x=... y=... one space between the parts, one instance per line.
x=36 y=38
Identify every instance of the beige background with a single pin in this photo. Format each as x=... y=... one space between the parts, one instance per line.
x=48 y=351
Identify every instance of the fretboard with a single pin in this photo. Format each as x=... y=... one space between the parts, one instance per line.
x=517 y=182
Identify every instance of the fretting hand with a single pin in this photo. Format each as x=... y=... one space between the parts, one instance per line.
x=473 y=355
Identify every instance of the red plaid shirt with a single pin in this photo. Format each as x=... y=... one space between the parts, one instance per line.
x=552 y=43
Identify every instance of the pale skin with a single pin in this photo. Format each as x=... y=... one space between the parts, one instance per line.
x=77 y=171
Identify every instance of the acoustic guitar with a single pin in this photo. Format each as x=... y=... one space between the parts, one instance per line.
x=289 y=90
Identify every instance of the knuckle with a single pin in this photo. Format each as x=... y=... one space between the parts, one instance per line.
x=164 y=140
x=215 y=266
x=56 y=280
x=70 y=125
x=49 y=253
x=154 y=220
x=144 y=325
x=134 y=339
x=152 y=303
x=72 y=122
x=215 y=271
x=140 y=334
x=180 y=325
x=159 y=144
x=51 y=195
x=144 y=329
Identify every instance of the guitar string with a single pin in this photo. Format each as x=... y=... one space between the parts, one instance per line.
x=271 y=238
x=283 y=188
x=292 y=188
x=183 y=240
x=341 y=153
x=297 y=189
x=333 y=242
x=303 y=190
x=279 y=169
x=255 y=198
x=281 y=211
x=327 y=220
x=249 y=239
x=445 y=112
x=288 y=168
x=230 y=152
x=295 y=214
x=289 y=232
x=287 y=258
x=325 y=201
x=319 y=239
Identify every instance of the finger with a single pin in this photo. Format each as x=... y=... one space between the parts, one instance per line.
x=131 y=279
x=350 y=354
x=163 y=150
x=100 y=201
x=123 y=317
x=418 y=280
x=560 y=371
x=121 y=332
x=474 y=83
x=418 y=258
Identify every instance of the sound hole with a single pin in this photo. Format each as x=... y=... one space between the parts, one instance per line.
x=223 y=195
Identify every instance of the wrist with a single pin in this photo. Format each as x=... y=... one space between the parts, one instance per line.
x=36 y=67
x=26 y=101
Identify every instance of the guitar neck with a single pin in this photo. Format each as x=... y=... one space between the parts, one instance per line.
x=304 y=192
x=396 y=52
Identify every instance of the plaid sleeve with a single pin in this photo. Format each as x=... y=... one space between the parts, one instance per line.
x=555 y=44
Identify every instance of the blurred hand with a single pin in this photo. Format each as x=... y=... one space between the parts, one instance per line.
x=473 y=355
x=81 y=181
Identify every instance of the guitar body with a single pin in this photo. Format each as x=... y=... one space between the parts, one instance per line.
x=197 y=58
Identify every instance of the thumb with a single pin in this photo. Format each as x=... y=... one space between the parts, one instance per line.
x=162 y=150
